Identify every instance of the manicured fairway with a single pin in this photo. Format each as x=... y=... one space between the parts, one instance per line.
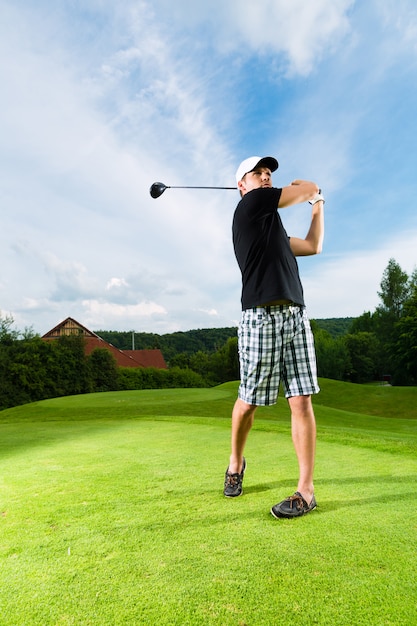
x=111 y=513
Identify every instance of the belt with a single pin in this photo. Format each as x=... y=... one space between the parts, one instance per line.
x=273 y=307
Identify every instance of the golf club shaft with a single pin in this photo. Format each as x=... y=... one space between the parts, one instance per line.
x=187 y=187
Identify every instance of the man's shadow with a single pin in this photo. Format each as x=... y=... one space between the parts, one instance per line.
x=380 y=496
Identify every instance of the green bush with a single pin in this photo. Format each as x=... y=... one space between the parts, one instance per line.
x=153 y=378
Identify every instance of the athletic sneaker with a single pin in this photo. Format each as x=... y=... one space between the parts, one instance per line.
x=233 y=482
x=294 y=506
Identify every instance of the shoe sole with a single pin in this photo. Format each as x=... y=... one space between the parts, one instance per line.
x=291 y=516
x=235 y=496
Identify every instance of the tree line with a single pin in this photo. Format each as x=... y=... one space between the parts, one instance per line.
x=171 y=344
x=379 y=345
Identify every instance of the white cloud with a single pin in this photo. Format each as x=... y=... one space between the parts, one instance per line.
x=302 y=31
x=115 y=283
x=292 y=36
x=399 y=18
x=210 y=312
x=99 y=314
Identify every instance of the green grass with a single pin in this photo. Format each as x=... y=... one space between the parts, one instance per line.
x=111 y=512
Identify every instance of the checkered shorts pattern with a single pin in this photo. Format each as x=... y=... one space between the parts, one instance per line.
x=276 y=345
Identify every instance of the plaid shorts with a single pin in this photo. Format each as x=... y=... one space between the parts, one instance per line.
x=276 y=345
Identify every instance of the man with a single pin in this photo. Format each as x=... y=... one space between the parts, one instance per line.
x=275 y=339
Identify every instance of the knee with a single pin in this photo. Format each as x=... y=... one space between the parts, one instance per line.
x=300 y=405
x=244 y=410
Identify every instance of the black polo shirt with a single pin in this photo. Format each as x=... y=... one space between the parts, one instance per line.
x=262 y=248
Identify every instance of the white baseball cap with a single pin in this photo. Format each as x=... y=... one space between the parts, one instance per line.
x=250 y=164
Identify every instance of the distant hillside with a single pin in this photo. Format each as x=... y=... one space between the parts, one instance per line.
x=205 y=340
x=189 y=342
x=335 y=326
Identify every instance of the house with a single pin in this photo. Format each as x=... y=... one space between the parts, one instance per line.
x=124 y=358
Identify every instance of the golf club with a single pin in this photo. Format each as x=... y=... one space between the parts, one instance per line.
x=157 y=189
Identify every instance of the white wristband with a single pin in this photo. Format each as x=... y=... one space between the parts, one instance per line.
x=317 y=197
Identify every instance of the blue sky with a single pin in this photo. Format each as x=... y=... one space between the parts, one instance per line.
x=100 y=99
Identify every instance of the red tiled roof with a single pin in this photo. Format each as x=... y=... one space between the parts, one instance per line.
x=124 y=358
x=148 y=358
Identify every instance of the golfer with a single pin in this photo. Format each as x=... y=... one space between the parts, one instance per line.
x=275 y=340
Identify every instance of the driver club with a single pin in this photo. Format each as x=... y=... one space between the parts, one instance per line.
x=157 y=189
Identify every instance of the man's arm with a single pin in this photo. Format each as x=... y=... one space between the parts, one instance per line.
x=298 y=191
x=313 y=242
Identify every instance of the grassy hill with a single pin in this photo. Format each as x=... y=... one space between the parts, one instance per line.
x=378 y=399
x=111 y=512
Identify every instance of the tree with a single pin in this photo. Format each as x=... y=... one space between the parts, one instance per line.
x=406 y=342
x=364 y=323
x=224 y=363
x=363 y=351
x=103 y=370
x=70 y=366
x=394 y=289
x=7 y=335
x=200 y=362
x=333 y=360
x=412 y=282
x=22 y=366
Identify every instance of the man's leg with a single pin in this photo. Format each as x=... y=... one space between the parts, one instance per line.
x=303 y=428
x=242 y=420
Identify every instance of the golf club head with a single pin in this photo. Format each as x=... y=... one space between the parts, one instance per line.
x=157 y=189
